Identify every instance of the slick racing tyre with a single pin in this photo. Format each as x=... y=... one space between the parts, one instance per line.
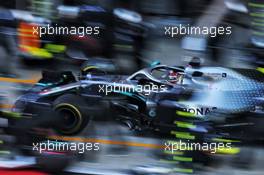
x=71 y=110
x=53 y=163
x=98 y=66
x=91 y=69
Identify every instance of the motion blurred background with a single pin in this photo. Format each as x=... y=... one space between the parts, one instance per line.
x=132 y=36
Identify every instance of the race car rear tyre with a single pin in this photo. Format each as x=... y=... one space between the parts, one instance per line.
x=88 y=68
x=71 y=110
x=97 y=66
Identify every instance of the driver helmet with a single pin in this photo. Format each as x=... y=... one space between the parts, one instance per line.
x=173 y=76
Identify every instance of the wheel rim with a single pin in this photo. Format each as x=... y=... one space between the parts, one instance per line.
x=71 y=118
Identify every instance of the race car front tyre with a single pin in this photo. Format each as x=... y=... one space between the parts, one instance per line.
x=71 y=110
x=53 y=163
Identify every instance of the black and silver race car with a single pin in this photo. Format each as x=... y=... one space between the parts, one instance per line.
x=159 y=97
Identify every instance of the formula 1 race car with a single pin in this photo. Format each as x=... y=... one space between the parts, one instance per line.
x=158 y=98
